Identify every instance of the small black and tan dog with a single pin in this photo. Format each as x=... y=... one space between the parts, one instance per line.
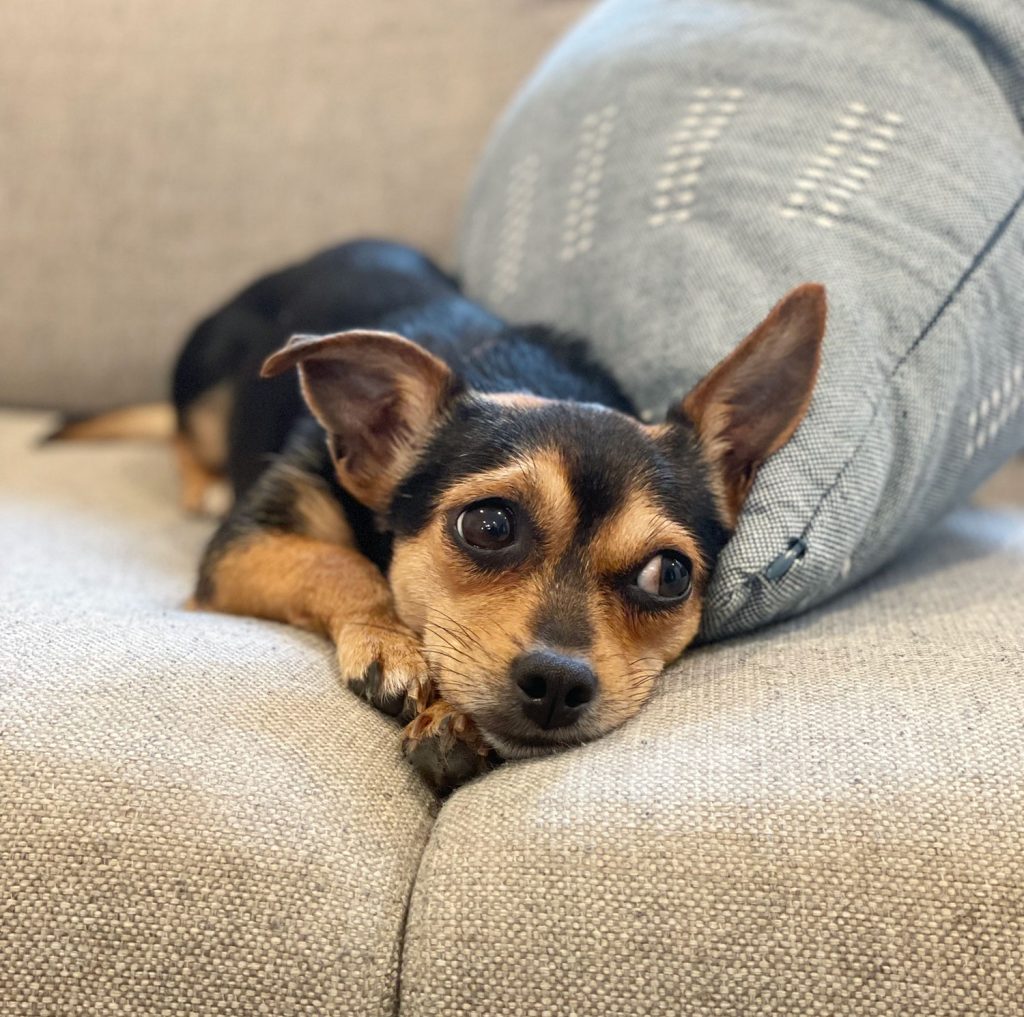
x=502 y=552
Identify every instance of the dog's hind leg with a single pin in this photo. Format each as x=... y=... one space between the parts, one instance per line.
x=201 y=446
x=144 y=422
x=203 y=491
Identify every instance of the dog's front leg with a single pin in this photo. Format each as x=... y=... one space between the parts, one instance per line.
x=328 y=588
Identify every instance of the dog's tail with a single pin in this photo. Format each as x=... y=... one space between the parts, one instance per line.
x=146 y=421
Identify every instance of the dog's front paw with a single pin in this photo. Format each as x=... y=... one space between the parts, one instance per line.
x=445 y=748
x=383 y=664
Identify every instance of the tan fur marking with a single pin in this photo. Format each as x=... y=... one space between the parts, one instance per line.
x=630 y=649
x=206 y=426
x=539 y=481
x=472 y=625
x=154 y=421
x=322 y=516
x=519 y=400
x=629 y=657
x=638 y=530
x=329 y=589
x=306 y=582
x=196 y=480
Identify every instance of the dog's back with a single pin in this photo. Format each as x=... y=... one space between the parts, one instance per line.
x=229 y=421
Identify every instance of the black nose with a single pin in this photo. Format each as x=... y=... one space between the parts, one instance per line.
x=554 y=690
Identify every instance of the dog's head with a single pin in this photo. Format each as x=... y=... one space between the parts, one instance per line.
x=553 y=555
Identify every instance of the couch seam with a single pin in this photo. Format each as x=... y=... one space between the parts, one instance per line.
x=403 y=925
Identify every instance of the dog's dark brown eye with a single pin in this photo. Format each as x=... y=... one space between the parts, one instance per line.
x=665 y=577
x=487 y=525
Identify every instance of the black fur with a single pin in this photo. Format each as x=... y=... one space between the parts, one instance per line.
x=606 y=458
x=379 y=285
x=353 y=285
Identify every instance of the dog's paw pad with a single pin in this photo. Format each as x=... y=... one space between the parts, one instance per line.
x=384 y=666
x=445 y=748
x=370 y=686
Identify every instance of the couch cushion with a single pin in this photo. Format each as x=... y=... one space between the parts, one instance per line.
x=156 y=156
x=672 y=169
x=824 y=819
x=197 y=819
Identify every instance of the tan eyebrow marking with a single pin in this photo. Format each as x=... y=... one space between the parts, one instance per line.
x=638 y=529
x=519 y=400
x=539 y=480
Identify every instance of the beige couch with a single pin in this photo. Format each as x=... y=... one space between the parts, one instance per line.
x=825 y=818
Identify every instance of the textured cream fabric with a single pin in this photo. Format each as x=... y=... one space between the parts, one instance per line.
x=196 y=818
x=825 y=819
x=158 y=155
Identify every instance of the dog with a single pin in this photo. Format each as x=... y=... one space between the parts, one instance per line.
x=503 y=553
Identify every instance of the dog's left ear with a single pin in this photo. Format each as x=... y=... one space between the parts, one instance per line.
x=378 y=397
x=749 y=406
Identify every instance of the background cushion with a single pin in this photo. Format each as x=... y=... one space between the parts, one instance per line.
x=157 y=156
x=672 y=169
x=197 y=819
x=822 y=819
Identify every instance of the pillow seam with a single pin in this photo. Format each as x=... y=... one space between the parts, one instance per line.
x=979 y=259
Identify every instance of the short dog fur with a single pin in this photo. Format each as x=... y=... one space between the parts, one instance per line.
x=502 y=552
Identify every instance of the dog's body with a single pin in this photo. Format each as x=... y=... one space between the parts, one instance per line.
x=546 y=553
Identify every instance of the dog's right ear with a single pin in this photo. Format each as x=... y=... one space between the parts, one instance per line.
x=378 y=397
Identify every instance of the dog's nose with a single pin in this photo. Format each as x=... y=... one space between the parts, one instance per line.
x=554 y=690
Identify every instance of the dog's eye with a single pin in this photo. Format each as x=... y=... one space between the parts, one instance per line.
x=487 y=525
x=665 y=577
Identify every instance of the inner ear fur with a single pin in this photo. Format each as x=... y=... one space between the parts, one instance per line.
x=377 y=395
x=750 y=405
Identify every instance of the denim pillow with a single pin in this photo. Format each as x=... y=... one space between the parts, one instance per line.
x=673 y=168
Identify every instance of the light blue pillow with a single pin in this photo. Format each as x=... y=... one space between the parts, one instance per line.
x=674 y=167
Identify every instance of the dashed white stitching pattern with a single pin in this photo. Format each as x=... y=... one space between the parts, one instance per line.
x=995 y=410
x=522 y=186
x=824 y=189
x=585 y=183
x=689 y=143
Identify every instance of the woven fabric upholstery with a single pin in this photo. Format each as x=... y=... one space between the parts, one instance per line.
x=197 y=819
x=157 y=156
x=673 y=168
x=825 y=819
